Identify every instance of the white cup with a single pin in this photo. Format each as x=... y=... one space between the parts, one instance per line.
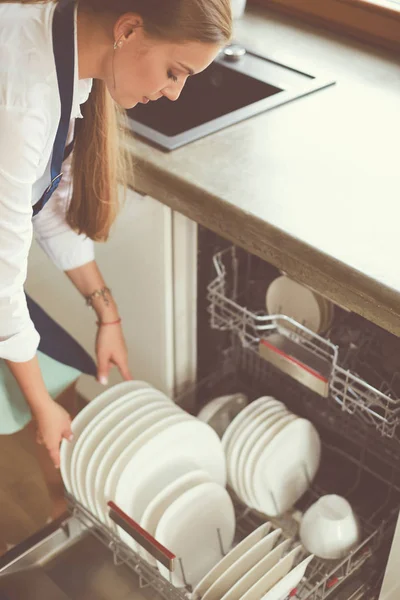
x=329 y=528
x=238 y=7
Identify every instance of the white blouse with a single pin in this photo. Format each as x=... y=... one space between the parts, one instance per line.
x=29 y=116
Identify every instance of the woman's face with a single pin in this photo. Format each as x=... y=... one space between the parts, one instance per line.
x=143 y=69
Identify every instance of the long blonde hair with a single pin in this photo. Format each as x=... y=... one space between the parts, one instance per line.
x=98 y=149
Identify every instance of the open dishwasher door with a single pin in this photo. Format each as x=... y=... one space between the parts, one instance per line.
x=391 y=582
x=66 y=562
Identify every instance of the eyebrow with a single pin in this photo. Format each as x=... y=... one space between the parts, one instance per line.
x=190 y=71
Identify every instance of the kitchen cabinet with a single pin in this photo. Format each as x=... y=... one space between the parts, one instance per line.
x=149 y=263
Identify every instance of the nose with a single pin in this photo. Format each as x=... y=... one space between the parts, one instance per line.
x=174 y=91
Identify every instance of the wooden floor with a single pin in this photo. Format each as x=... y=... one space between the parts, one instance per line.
x=31 y=490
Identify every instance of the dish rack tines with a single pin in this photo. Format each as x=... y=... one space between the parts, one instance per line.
x=226 y=294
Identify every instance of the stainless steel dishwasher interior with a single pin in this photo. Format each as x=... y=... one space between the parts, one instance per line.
x=69 y=564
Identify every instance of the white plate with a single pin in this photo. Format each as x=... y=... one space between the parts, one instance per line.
x=118 y=432
x=282 y=589
x=121 y=454
x=220 y=412
x=99 y=441
x=286 y=467
x=259 y=569
x=271 y=577
x=241 y=569
x=287 y=297
x=158 y=407
x=247 y=474
x=190 y=438
x=244 y=417
x=230 y=558
x=100 y=424
x=254 y=429
x=156 y=508
x=189 y=529
x=86 y=415
x=151 y=481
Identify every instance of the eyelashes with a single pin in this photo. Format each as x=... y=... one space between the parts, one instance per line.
x=172 y=76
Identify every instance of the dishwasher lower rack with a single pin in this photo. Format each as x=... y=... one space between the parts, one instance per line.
x=323 y=578
x=229 y=293
x=356 y=469
x=246 y=521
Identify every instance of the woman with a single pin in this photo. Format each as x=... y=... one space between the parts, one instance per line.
x=55 y=57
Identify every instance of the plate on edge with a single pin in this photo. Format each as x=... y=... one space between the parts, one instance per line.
x=232 y=556
x=286 y=467
x=86 y=415
x=242 y=569
x=100 y=424
x=189 y=529
x=283 y=588
x=155 y=510
x=271 y=578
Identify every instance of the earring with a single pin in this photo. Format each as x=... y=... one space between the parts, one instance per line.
x=117 y=45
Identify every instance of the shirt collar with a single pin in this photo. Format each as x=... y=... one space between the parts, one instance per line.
x=82 y=87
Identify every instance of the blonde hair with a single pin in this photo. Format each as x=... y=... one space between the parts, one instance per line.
x=98 y=150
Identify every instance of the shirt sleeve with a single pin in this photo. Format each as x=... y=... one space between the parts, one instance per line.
x=23 y=135
x=66 y=248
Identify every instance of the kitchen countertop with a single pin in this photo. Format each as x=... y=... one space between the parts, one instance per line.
x=312 y=186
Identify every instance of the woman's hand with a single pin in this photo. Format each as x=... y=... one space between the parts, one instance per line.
x=53 y=424
x=111 y=350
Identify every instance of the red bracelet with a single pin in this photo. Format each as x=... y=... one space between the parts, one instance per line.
x=100 y=323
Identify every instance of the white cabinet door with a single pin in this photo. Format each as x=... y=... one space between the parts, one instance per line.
x=137 y=264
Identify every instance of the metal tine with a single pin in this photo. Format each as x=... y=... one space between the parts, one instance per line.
x=306 y=476
x=274 y=502
x=221 y=544
x=183 y=573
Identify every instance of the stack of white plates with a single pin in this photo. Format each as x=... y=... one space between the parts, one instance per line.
x=164 y=468
x=261 y=566
x=272 y=455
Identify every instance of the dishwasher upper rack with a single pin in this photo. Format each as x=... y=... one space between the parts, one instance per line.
x=353 y=394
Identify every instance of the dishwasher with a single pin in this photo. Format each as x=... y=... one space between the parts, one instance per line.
x=353 y=405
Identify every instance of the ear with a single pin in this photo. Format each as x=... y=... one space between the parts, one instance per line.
x=126 y=26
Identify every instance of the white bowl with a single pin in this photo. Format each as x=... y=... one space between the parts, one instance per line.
x=329 y=528
x=220 y=412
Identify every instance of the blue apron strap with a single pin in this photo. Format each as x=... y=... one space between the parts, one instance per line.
x=69 y=149
x=64 y=56
x=58 y=343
